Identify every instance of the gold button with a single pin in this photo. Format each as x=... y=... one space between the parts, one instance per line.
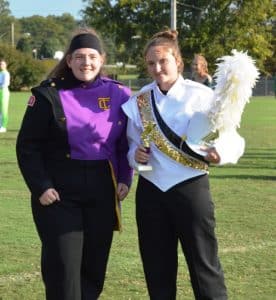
x=53 y=84
x=62 y=119
x=67 y=155
x=184 y=137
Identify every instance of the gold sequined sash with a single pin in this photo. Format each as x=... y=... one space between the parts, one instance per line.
x=155 y=135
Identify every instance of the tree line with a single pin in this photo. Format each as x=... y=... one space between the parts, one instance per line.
x=212 y=28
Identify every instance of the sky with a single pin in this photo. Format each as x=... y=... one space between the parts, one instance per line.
x=27 y=8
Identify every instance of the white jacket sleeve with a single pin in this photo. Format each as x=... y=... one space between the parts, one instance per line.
x=134 y=128
x=133 y=135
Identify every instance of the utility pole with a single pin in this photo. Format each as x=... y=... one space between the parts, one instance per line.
x=12 y=34
x=173 y=14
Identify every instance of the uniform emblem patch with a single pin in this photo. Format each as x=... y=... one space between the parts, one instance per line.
x=104 y=103
x=31 y=101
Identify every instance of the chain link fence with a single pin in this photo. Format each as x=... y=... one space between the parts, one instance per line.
x=264 y=86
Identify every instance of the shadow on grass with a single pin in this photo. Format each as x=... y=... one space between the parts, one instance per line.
x=255 y=177
x=259 y=155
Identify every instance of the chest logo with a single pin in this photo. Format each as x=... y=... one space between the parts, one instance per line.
x=104 y=103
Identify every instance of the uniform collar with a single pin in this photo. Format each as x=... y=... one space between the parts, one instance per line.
x=174 y=89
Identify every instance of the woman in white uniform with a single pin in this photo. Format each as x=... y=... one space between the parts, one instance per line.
x=173 y=201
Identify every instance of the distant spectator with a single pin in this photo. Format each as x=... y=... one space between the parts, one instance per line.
x=4 y=95
x=200 y=70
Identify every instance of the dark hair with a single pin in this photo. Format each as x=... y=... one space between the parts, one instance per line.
x=62 y=69
x=167 y=38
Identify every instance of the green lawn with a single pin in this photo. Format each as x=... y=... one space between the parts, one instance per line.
x=244 y=195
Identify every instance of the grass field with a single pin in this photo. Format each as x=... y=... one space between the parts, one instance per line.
x=244 y=195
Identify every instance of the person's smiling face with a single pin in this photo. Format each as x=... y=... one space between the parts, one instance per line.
x=162 y=66
x=85 y=63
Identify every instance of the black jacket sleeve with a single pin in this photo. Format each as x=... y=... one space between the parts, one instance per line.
x=31 y=142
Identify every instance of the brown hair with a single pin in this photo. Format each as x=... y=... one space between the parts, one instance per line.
x=3 y=60
x=203 y=60
x=62 y=69
x=167 y=38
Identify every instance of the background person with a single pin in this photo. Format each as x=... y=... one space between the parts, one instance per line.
x=4 y=95
x=200 y=70
x=72 y=152
x=173 y=201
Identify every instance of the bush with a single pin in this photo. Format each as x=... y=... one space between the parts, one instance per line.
x=48 y=64
x=25 y=71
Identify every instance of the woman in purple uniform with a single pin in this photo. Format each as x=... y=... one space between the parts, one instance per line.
x=72 y=152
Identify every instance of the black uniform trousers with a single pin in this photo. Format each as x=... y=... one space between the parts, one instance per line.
x=76 y=233
x=184 y=213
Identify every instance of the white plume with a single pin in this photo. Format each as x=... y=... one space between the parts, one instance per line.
x=236 y=75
